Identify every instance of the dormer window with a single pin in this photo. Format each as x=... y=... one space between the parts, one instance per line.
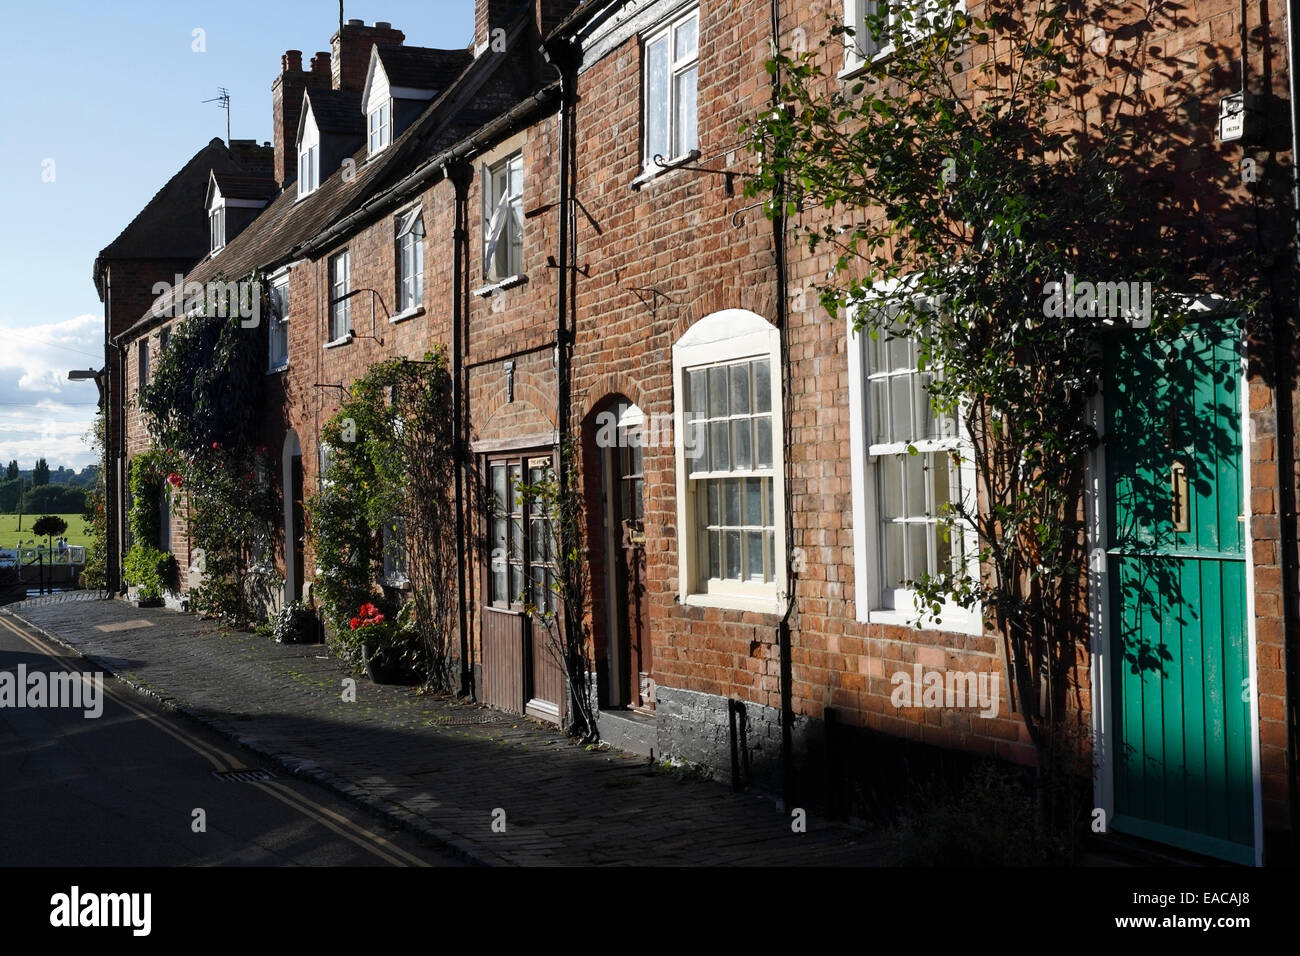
x=381 y=127
x=216 y=229
x=308 y=156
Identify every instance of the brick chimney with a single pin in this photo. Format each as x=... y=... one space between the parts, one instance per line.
x=286 y=102
x=351 y=47
x=493 y=15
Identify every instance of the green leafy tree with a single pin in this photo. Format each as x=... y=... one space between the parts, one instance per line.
x=12 y=471
x=949 y=185
x=41 y=473
x=48 y=526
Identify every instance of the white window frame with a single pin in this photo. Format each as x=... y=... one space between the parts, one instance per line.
x=324 y=464
x=340 y=287
x=860 y=48
x=676 y=67
x=309 y=157
x=379 y=124
x=277 y=344
x=720 y=338
x=874 y=602
x=503 y=213
x=410 y=261
x=216 y=228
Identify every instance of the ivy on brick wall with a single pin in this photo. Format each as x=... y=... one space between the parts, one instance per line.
x=203 y=406
x=391 y=466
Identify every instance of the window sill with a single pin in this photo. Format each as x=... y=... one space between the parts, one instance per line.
x=653 y=171
x=736 y=602
x=956 y=621
x=276 y=369
x=341 y=340
x=407 y=314
x=509 y=282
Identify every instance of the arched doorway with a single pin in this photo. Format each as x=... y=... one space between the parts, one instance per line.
x=291 y=483
x=629 y=663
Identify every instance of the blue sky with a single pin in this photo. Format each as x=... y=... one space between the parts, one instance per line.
x=112 y=95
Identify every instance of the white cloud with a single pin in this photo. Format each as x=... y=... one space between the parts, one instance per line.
x=42 y=414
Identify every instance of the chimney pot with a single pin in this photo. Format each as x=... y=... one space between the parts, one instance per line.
x=383 y=25
x=356 y=23
x=320 y=63
x=292 y=60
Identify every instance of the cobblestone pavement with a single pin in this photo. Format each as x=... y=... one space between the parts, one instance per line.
x=444 y=768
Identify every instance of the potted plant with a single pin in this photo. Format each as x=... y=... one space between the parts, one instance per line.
x=150 y=572
x=295 y=623
x=388 y=643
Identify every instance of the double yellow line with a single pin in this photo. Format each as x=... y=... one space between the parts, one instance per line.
x=225 y=762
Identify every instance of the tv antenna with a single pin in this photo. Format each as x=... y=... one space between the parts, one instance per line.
x=222 y=99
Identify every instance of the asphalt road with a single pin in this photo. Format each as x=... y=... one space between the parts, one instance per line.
x=126 y=788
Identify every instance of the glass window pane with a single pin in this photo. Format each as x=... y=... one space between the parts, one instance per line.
x=697 y=394
x=714 y=513
x=880 y=432
x=939 y=480
x=731 y=502
x=762 y=385
x=918 y=553
x=638 y=491
x=499 y=488
x=696 y=446
x=687 y=39
x=754 y=556
x=516 y=539
x=731 y=555
x=740 y=443
x=740 y=389
x=926 y=425
x=753 y=503
x=901 y=355
x=516 y=583
x=769 y=488
x=720 y=446
x=687 y=124
x=771 y=554
x=892 y=558
x=537 y=541
x=656 y=106
x=718 y=392
x=715 y=554
x=900 y=393
x=763 y=442
x=891 y=487
x=918 y=504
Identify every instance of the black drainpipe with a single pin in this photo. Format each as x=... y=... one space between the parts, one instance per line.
x=459 y=174
x=788 y=777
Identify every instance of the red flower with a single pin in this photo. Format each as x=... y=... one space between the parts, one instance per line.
x=356 y=623
x=248 y=476
x=175 y=479
x=216 y=444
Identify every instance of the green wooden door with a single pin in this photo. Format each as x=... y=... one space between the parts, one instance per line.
x=1177 y=576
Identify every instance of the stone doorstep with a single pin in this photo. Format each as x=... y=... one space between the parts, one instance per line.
x=630 y=731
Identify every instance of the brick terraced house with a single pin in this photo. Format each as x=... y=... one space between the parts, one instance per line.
x=558 y=206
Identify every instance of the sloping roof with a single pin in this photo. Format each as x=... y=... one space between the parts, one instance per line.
x=423 y=68
x=174 y=223
x=336 y=112
x=281 y=231
x=245 y=187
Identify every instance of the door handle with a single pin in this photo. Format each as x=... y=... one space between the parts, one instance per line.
x=1178 y=492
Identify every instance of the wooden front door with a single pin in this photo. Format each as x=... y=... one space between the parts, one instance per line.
x=522 y=668
x=630 y=659
x=1179 y=673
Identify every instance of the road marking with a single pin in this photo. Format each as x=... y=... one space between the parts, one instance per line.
x=282 y=792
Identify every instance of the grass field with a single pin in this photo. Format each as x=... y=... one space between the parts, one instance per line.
x=77 y=532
